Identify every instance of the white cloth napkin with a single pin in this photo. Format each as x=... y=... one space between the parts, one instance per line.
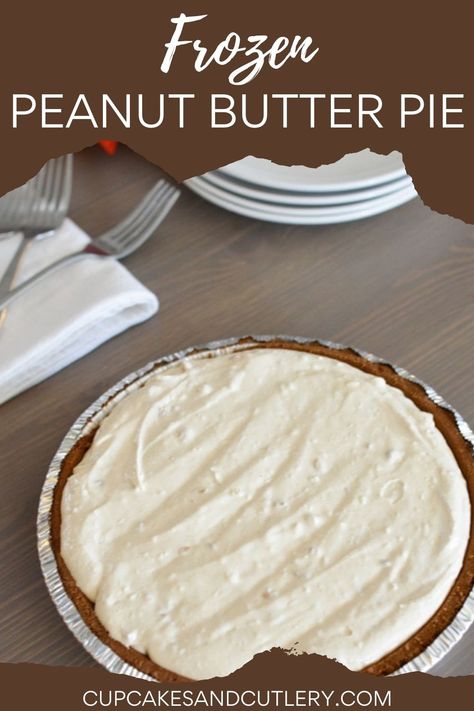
x=67 y=314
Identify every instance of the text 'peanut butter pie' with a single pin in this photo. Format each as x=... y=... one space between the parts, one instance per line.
x=267 y=496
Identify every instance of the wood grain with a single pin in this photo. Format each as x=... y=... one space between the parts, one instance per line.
x=399 y=285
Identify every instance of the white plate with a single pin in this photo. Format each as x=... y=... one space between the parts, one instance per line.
x=353 y=172
x=280 y=197
x=278 y=209
x=302 y=216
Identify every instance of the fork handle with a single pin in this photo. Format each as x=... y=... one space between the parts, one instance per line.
x=89 y=250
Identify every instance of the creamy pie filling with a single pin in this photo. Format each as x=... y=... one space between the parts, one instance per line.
x=261 y=498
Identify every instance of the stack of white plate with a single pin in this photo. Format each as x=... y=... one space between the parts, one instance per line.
x=357 y=186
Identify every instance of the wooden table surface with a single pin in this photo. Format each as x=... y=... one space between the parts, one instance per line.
x=399 y=285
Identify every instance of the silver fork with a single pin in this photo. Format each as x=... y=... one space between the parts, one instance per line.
x=119 y=241
x=35 y=209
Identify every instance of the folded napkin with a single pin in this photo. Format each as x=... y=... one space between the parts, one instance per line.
x=67 y=314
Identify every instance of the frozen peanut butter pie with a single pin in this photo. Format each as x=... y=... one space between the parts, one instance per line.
x=298 y=497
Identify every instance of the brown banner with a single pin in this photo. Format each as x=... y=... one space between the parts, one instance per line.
x=384 y=75
x=273 y=680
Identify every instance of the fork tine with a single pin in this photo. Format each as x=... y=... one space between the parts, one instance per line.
x=58 y=184
x=9 y=206
x=149 y=210
x=17 y=206
x=45 y=180
x=55 y=170
x=14 y=206
x=149 y=198
x=152 y=221
x=58 y=198
x=67 y=186
x=41 y=203
x=129 y=222
x=40 y=184
x=53 y=193
x=148 y=206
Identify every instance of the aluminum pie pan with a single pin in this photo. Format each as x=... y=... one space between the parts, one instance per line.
x=99 y=409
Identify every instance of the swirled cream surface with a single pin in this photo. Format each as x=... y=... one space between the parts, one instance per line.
x=262 y=498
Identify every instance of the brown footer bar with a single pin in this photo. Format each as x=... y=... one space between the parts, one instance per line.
x=273 y=680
